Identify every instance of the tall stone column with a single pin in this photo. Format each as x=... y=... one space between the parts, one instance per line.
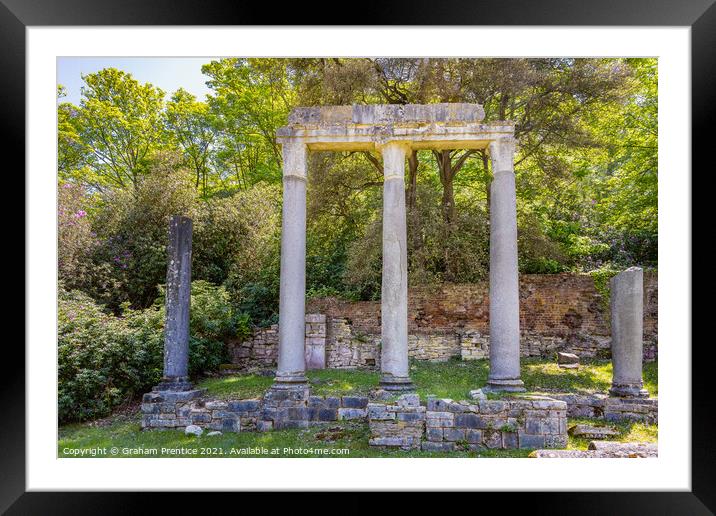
x=292 y=305
x=394 y=292
x=504 y=278
x=178 y=296
x=627 y=308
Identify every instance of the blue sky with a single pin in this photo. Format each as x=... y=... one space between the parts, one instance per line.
x=168 y=73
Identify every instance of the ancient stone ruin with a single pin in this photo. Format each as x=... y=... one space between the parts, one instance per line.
x=627 y=295
x=395 y=415
x=393 y=130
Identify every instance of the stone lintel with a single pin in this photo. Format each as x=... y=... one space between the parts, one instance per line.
x=381 y=114
x=368 y=127
x=362 y=138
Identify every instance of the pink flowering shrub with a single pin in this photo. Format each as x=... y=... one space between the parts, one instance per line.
x=75 y=238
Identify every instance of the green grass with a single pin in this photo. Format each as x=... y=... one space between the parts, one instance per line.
x=452 y=379
x=592 y=376
x=628 y=432
x=126 y=435
x=244 y=386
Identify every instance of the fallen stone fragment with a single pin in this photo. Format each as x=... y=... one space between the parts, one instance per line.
x=216 y=432
x=592 y=432
x=194 y=430
x=618 y=447
x=567 y=360
x=628 y=451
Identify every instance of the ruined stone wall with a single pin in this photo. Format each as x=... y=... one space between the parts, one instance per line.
x=557 y=312
x=439 y=425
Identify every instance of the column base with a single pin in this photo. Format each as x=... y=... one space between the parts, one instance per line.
x=174 y=384
x=625 y=390
x=290 y=381
x=396 y=383
x=504 y=385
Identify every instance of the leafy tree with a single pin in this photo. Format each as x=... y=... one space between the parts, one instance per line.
x=71 y=149
x=120 y=122
x=192 y=125
x=586 y=173
x=132 y=224
x=251 y=100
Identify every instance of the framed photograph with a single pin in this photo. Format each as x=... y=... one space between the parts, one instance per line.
x=446 y=249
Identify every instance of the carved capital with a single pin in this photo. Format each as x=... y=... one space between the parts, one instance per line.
x=502 y=153
x=294 y=159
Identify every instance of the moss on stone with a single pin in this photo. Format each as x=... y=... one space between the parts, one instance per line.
x=601 y=278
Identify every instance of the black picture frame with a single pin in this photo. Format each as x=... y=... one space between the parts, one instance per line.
x=699 y=15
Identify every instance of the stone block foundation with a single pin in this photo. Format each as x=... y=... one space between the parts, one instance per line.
x=277 y=409
x=529 y=422
x=610 y=408
x=447 y=425
x=440 y=425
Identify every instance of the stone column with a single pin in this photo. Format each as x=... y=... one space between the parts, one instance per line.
x=627 y=308
x=292 y=304
x=504 y=278
x=394 y=291
x=178 y=296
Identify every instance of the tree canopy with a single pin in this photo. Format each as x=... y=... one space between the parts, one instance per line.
x=129 y=156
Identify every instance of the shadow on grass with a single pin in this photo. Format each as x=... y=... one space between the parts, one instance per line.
x=452 y=379
x=590 y=377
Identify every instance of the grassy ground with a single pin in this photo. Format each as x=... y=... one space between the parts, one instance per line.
x=628 y=432
x=450 y=380
x=126 y=436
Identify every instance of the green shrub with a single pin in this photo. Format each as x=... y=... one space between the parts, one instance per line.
x=602 y=278
x=103 y=360
x=541 y=265
x=106 y=360
x=133 y=225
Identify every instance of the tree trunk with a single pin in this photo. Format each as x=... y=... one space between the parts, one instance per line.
x=446 y=178
x=448 y=202
x=414 y=240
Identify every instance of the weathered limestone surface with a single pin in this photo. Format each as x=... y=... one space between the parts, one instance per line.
x=629 y=450
x=567 y=360
x=504 y=277
x=315 y=341
x=291 y=366
x=632 y=409
x=400 y=424
x=362 y=127
x=627 y=311
x=178 y=297
x=616 y=446
x=394 y=298
x=278 y=408
x=379 y=114
x=442 y=425
x=592 y=432
x=393 y=130
x=529 y=422
x=610 y=408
